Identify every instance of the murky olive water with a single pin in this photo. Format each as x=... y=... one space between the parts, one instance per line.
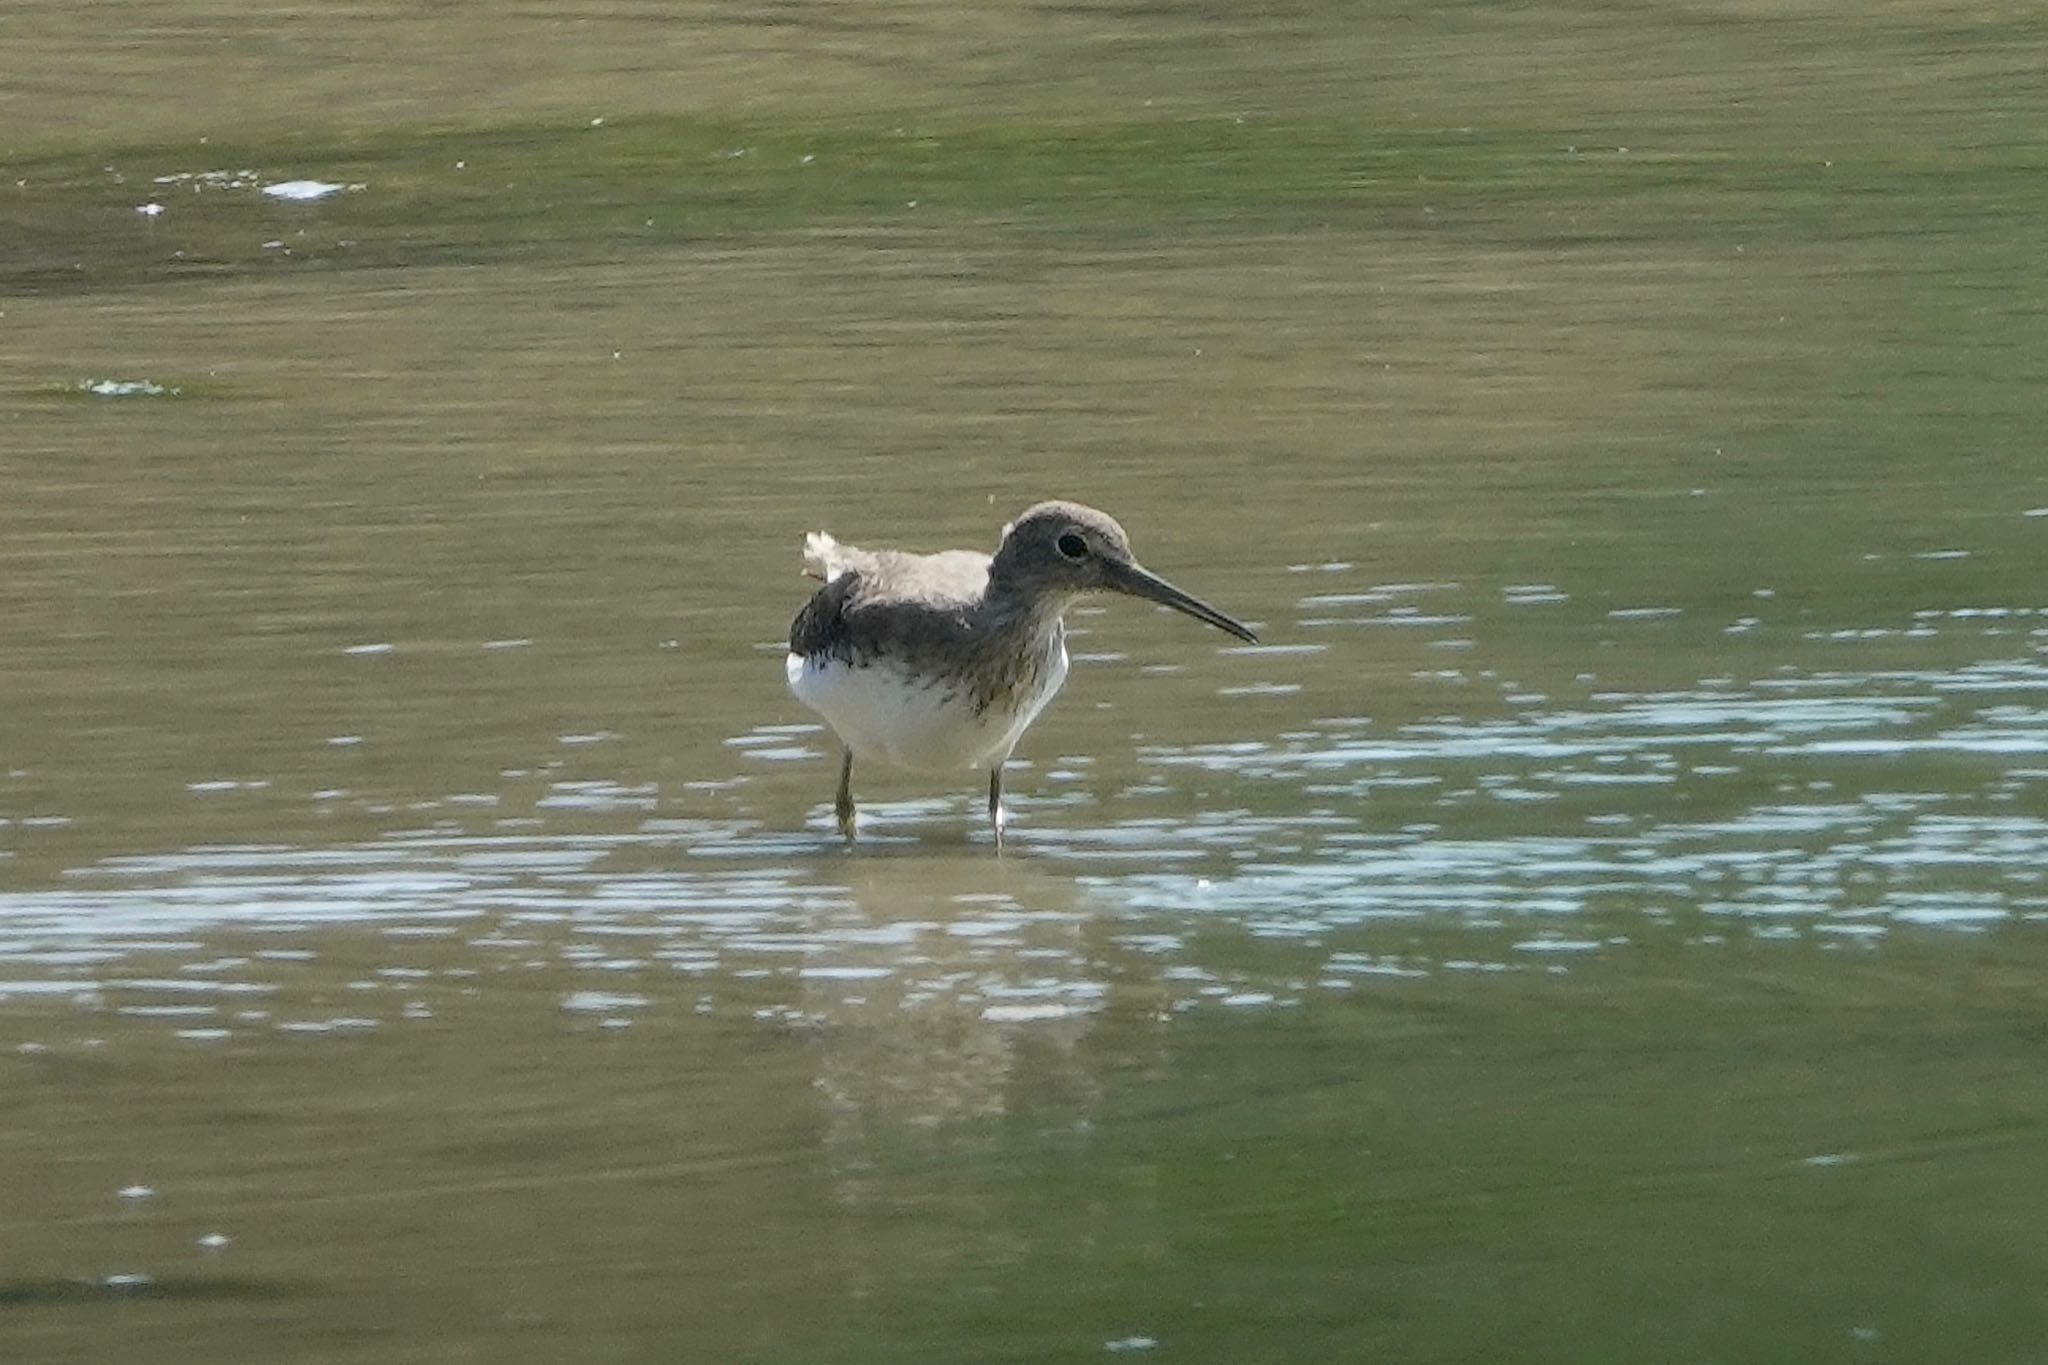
x=1603 y=921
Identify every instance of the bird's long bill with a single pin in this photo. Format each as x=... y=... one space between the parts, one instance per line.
x=1144 y=583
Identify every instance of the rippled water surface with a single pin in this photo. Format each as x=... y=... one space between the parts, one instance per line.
x=1606 y=919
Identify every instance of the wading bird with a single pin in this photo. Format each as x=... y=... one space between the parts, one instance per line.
x=940 y=662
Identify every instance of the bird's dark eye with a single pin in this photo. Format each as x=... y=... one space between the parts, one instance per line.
x=1072 y=546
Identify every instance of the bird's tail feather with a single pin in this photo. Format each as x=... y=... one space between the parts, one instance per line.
x=824 y=557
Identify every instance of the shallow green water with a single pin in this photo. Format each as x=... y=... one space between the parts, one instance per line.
x=1603 y=922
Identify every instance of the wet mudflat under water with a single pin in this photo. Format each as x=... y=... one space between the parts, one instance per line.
x=1605 y=920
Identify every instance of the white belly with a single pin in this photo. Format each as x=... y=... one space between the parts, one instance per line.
x=881 y=713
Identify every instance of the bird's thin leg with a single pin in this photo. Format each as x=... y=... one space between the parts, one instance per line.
x=843 y=807
x=995 y=803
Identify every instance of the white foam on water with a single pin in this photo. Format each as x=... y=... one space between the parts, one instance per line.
x=303 y=191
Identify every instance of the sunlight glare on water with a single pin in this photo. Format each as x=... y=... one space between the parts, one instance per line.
x=1763 y=807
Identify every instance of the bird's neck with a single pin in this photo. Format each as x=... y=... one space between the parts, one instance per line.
x=1016 y=619
x=1020 y=641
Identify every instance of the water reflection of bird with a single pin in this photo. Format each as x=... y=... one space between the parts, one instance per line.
x=940 y=662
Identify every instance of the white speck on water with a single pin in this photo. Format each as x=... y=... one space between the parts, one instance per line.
x=1933 y=912
x=137 y=1193
x=1830 y=1159
x=1351 y=963
x=507 y=644
x=1122 y=1344
x=1265 y=651
x=1862 y=931
x=149 y=210
x=978 y=928
x=313 y=1028
x=785 y=753
x=380 y=647
x=594 y=737
x=1642 y=613
x=344 y=741
x=124 y=388
x=2035 y=512
x=1558 y=945
x=303 y=191
x=596 y=795
x=204 y=1035
x=135 y=1280
x=600 y=1002
x=1025 y=1014
x=1943 y=554
x=215 y=1241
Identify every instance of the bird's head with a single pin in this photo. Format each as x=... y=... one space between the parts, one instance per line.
x=1064 y=550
